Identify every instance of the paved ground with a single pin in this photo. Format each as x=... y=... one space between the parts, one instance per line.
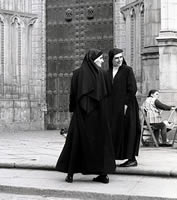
x=40 y=150
x=6 y=196
x=21 y=153
x=34 y=149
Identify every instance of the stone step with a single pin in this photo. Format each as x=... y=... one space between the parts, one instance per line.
x=51 y=184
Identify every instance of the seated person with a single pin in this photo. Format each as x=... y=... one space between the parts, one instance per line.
x=153 y=107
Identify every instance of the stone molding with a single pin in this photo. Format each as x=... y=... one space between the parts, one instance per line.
x=167 y=38
x=150 y=51
x=132 y=9
x=22 y=18
x=21 y=14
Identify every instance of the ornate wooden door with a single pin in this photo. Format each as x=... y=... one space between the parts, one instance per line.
x=73 y=27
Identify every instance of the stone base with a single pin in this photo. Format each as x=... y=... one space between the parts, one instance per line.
x=17 y=126
x=18 y=115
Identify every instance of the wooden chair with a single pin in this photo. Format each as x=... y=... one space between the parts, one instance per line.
x=174 y=138
x=146 y=128
x=173 y=114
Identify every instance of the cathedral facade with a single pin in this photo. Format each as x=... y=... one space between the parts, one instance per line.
x=147 y=31
x=41 y=41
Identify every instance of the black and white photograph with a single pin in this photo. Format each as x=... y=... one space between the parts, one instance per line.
x=88 y=99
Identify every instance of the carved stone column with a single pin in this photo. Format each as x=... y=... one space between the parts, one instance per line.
x=167 y=42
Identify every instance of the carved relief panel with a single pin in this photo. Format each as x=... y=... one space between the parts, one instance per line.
x=14 y=45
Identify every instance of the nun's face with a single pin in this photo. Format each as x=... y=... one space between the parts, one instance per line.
x=98 y=61
x=117 y=60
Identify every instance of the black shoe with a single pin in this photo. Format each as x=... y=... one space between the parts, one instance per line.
x=101 y=179
x=63 y=132
x=165 y=145
x=129 y=163
x=69 y=178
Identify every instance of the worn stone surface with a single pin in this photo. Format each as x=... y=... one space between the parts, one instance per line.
x=22 y=79
x=21 y=153
x=41 y=149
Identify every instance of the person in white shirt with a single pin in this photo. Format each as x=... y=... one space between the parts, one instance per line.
x=153 y=107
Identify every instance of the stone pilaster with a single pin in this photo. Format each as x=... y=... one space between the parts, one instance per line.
x=119 y=24
x=167 y=42
x=150 y=52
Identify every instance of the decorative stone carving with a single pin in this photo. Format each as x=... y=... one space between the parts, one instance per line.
x=55 y=75
x=54 y=92
x=1 y=18
x=141 y=8
x=49 y=75
x=132 y=12
x=124 y=16
x=32 y=21
x=90 y=12
x=68 y=14
x=49 y=92
x=15 y=19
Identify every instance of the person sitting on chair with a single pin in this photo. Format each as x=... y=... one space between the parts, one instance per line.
x=153 y=107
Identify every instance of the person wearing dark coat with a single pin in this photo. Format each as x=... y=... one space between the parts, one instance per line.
x=88 y=148
x=124 y=116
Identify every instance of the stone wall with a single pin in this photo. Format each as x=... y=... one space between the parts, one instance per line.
x=147 y=31
x=22 y=64
x=129 y=34
x=167 y=42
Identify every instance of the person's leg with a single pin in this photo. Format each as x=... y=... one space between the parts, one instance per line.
x=160 y=128
x=156 y=134
x=156 y=128
x=163 y=130
x=69 y=178
x=164 y=133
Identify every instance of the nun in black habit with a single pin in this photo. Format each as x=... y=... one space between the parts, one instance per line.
x=88 y=147
x=124 y=115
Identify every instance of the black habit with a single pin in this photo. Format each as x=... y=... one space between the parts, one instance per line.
x=88 y=147
x=125 y=128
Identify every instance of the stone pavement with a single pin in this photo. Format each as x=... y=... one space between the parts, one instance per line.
x=27 y=162
x=49 y=184
x=40 y=150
